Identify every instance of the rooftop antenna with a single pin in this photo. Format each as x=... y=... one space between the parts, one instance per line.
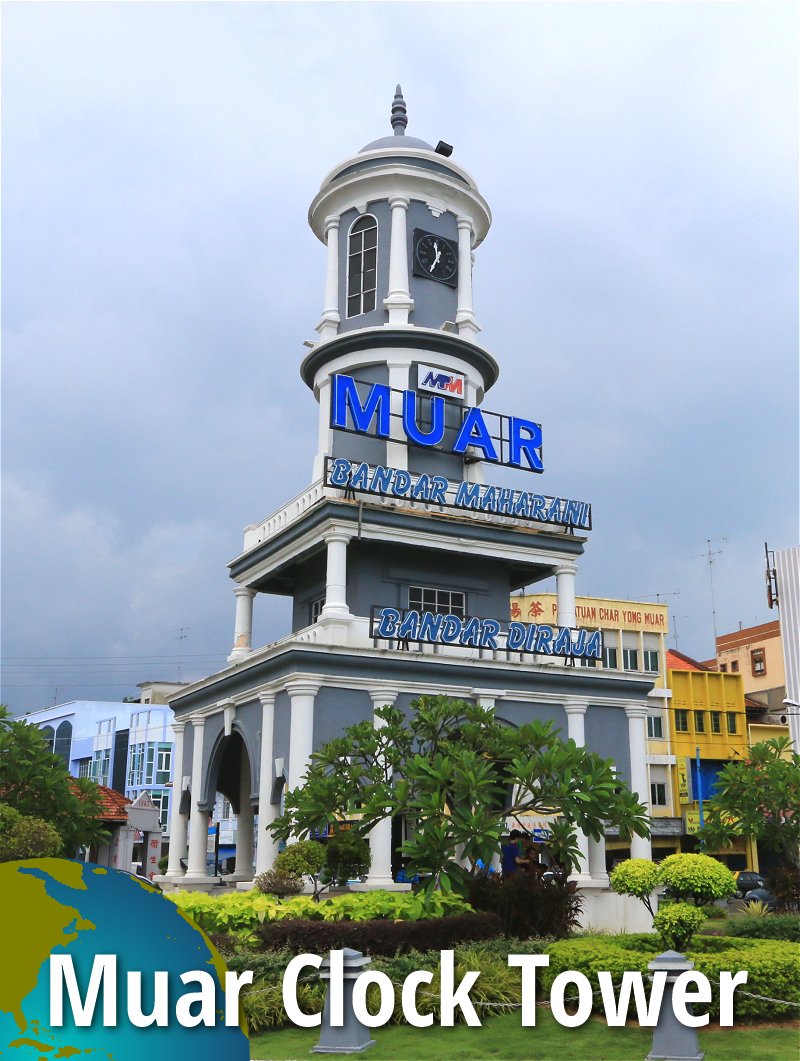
x=674 y=622
x=399 y=113
x=183 y=634
x=709 y=555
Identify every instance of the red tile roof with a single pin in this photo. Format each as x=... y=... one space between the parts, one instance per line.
x=114 y=805
x=678 y=661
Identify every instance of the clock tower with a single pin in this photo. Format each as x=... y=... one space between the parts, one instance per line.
x=400 y=221
x=400 y=555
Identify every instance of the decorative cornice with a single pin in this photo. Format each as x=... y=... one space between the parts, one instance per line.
x=423 y=340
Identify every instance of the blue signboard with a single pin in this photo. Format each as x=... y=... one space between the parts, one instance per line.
x=391 y=624
x=366 y=409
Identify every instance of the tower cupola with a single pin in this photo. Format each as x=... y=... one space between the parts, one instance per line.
x=401 y=221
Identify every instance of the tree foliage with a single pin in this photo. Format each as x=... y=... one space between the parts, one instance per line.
x=758 y=797
x=36 y=783
x=25 y=837
x=303 y=859
x=637 y=877
x=347 y=855
x=676 y=924
x=697 y=877
x=457 y=775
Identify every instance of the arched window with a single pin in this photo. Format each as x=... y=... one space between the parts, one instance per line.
x=362 y=266
x=63 y=741
x=49 y=735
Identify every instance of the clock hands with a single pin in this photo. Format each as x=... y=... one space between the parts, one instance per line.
x=438 y=256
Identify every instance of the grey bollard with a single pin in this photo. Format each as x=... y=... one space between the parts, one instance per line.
x=353 y=1036
x=672 y=1041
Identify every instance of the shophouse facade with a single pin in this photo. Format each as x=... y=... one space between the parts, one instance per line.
x=126 y=747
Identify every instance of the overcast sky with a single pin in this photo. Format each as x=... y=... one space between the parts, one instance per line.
x=638 y=288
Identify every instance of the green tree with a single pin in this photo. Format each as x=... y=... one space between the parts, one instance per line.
x=36 y=783
x=303 y=859
x=457 y=774
x=758 y=797
x=697 y=877
x=637 y=877
x=25 y=837
x=347 y=855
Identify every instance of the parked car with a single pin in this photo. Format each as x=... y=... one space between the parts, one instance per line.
x=764 y=896
x=746 y=880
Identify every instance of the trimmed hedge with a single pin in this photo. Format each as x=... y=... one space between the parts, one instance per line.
x=774 y=926
x=773 y=968
x=242 y=912
x=380 y=937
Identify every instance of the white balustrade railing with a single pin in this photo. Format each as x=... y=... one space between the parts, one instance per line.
x=293 y=510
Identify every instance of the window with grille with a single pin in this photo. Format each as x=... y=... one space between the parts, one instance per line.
x=161 y=800
x=83 y=767
x=716 y=722
x=610 y=658
x=630 y=659
x=315 y=609
x=438 y=601
x=136 y=765
x=735 y=666
x=362 y=266
x=655 y=727
x=658 y=794
x=99 y=768
x=650 y=659
x=758 y=662
x=163 y=763
x=699 y=721
x=681 y=721
x=731 y=722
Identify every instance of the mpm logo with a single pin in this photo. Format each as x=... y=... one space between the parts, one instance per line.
x=431 y=380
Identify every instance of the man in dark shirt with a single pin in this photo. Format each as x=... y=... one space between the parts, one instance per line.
x=510 y=853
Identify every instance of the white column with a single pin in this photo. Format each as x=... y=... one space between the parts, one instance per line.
x=336 y=577
x=576 y=713
x=324 y=441
x=301 y=737
x=473 y=472
x=380 y=836
x=244 y=823
x=198 y=821
x=597 y=860
x=398 y=302
x=329 y=325
x=565 y=594
x=465 y=315
x=243 y=626
x=267 y=848
x=637 y=741
x=178 y=822
x=397 y=448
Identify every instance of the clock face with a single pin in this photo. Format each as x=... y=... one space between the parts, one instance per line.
x=435 y=257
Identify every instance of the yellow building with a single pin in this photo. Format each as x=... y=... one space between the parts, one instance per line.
x=708 y=728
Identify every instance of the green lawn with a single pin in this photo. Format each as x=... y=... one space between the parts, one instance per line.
x=502 y=1037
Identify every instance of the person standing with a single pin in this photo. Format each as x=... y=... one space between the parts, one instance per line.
x=510 y=853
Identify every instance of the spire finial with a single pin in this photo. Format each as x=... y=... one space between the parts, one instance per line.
x=399 y=115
